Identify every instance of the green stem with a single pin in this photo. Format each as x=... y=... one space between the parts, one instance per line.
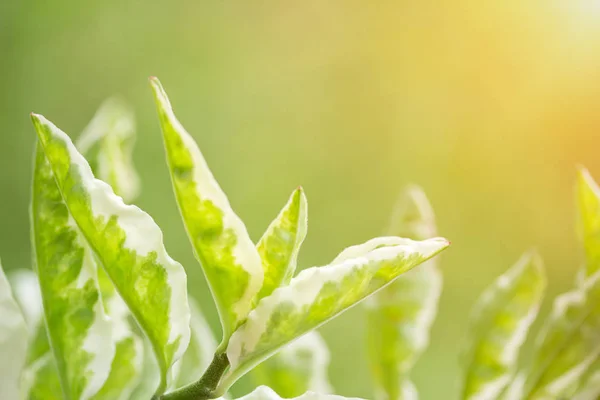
x=204 y=388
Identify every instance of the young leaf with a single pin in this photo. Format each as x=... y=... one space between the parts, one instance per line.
x=296 y=368
x=199 y=353
x=315 y=296
x=266 y=393
x=79 y=331
x=400 y=315
x=221 y=243
x=499 y=325
x=569 y=342
x=107 y=142
x=128 y=244
x=13 y=341
x=279 y=246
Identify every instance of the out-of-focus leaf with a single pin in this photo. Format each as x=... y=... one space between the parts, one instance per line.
x=26 y=291
x=297 y=368
x=229 y=259
x=514 y=391
x=588 y=387
x=79 y=331
x=107 y=142
x=399 y=317
x=13 y=341
x=150 y=374
x=199 y=353
x=128 y=244
x=266 y=393
x=317 y=295
x=568 y=344
x=41 y=381
x=280 y=244
x=499 y=325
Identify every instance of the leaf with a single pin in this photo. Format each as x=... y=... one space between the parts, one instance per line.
x=150 y=374
x=200 y=351
x=26 y=291
x=13 y=341
x=588 y=388
x=499 y=324
x=568 y=344
x=41 y=380
x=107 y=142
x=79 y=331
x=221 y=243
x=399 y=317
x=296 y=368
x=266 y=393
x=279 y=246
x=128 y=244
x=588 y=198
x=317 y=295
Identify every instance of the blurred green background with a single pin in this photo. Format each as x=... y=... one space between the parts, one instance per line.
x=488 y=105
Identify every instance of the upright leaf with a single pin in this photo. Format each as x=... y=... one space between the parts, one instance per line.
x=221 y=243
x=400 y=316
x=266 y=393
x=315 y=296
x=80 y=333
x=41 y=381
x=298 y=367
x=568 y=344
x=26 y=290
x=499 y=325
x=279 y=246
x=128 y=244
x=107 y=142
x=13 y=341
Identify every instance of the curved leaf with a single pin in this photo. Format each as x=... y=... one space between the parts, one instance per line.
x=266 y=393
x=499 y=325
x=41 y=380
x=400 y=316
x=13 y=341
x=79 y=331
x=296 y=368
x=128 y=244
x=315 y=296
x=568 y=344
x=107 y=142
x=149 y=375
x=26 y=291
x=221 y=243
x=279 y=246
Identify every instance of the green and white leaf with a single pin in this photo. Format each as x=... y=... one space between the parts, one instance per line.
x=279 y=246
x=515 y=390
x=298 y=367
x=150 y=375
x=400 y=316
x=229 y=259
x=199 y=353
x=40 y=380
x=499 y=324
x=266 y=393
x=26 y=291
x=317 y=295
x=588 y=387
x=568 y=344
x=128 y=244
x=80 y=333
x=107 y=142
x=13 y=341
x=588 y=198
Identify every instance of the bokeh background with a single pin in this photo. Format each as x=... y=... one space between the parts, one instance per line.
x=490 y=106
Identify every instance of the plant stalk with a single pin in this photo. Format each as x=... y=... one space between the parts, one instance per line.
x=204 y=388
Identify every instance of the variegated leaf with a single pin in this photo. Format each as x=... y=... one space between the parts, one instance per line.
x=26 y=291
x=13 y=341
x=107 y=142
x=400 y=316
x=266 y=393
x=296 y=368
x=41 y=381
x=588 y=387
x=279 y=246
x=568 y=344
x=499 y=325
x=128 y=244
x=199 y=353
x=221 y=243
x=150 y=374
x=317 y=295
x=79 y=331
